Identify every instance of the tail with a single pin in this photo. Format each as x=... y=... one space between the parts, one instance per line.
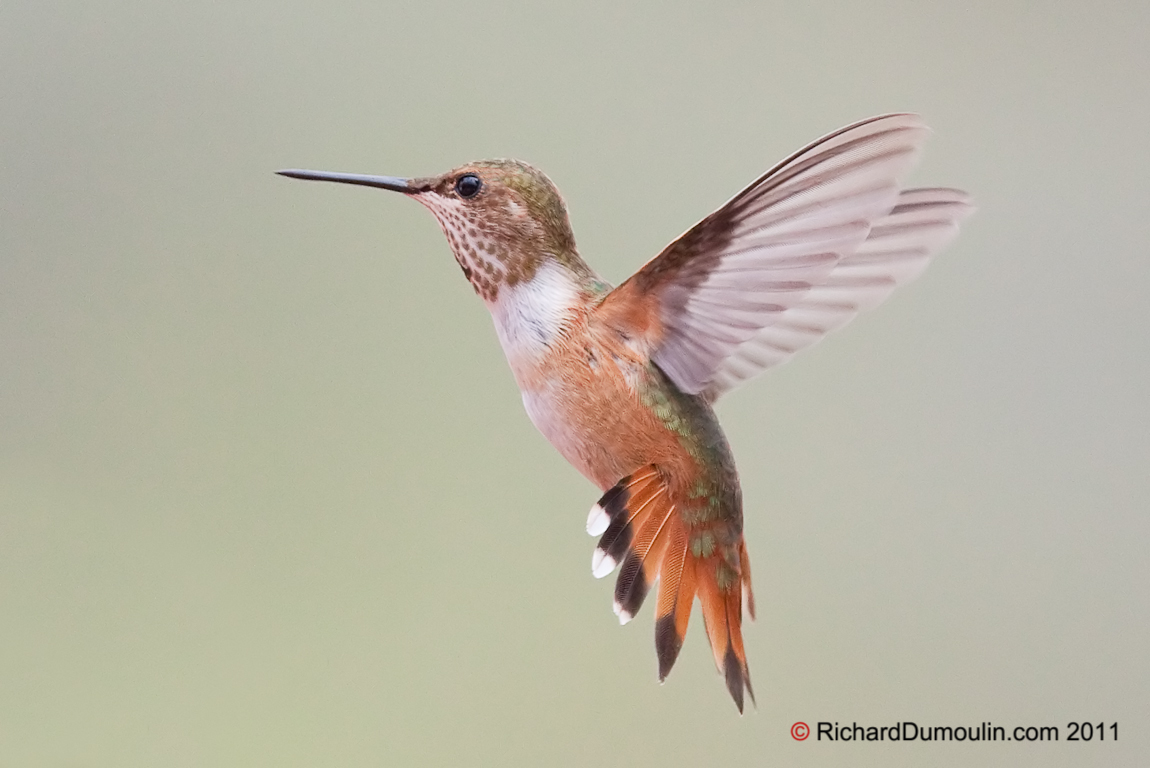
x=642 y=529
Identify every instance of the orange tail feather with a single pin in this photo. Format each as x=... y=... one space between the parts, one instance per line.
x=722 y=601
x=676 y=595
x=642 y=530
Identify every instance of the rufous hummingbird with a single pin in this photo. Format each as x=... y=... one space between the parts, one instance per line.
x=622 y=380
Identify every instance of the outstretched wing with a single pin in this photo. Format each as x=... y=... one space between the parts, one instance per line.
x=699 y=307
x=896 y=252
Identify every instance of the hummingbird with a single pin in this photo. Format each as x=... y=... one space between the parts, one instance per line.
x=622 y=380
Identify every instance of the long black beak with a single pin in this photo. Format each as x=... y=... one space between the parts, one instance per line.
x=382 y=182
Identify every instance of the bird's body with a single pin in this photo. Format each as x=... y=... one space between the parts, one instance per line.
x=591 y=393
x=621 y=380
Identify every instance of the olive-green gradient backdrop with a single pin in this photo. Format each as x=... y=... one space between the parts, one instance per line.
x=267 y=493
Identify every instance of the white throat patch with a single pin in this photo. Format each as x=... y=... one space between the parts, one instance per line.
x=529 y=317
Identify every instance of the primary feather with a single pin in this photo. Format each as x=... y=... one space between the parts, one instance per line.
x=775 y=268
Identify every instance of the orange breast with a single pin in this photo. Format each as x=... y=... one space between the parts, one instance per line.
x=585 y=396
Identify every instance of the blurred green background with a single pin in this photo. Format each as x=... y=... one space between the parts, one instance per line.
x=267 y=493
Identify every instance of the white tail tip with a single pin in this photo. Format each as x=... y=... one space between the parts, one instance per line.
x=601 y=564
x=597 y=521
x=623 y=615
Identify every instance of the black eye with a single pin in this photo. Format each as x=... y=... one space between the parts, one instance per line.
x=468 y=185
